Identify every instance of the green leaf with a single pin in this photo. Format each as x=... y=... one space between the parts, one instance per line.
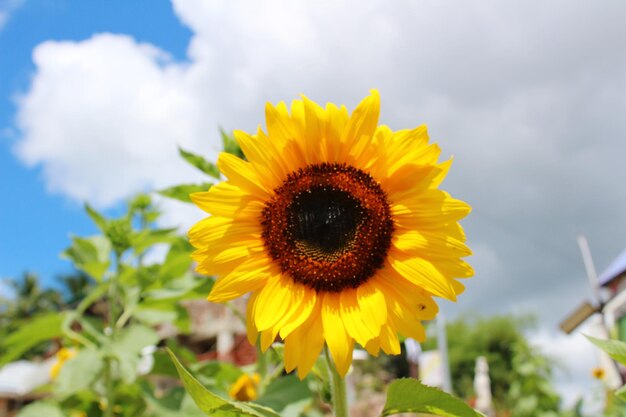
x=29 y=335
x=211 y=404
x=174 y=403
x=621 y=393
x=411 y=396
x=97 y=218
x=178 y=260
x=146 y=238
x=185 y=286
x=181 y=192
x=127 y=349
x=79 y=372
x=614 y=348
x=39 y=409
x=200 y=163
x=134 y=338
x=91 y=255
x=230 y=144
x=284 y=391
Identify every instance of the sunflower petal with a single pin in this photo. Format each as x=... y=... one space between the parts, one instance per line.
x=251 y=332
x=362 y=122
x=372 y=303
x=249 y=276
x=274 y=301
x=299 y=316
x=339 y=341
x=241 y=174
x=353 y=319
x=389 y=342
x=422 y=273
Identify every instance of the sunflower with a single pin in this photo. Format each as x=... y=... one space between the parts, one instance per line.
x=62 y=356
x=336 y=227
x=245 y=388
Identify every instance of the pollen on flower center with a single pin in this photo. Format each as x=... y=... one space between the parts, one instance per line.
x=324 y=222
x=328 y=226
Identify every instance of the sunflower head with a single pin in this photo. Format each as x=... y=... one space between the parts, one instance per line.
x=245 y=388
x=336 y=227
x=62 y=356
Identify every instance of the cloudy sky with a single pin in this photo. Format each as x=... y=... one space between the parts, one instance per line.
x=528 y=96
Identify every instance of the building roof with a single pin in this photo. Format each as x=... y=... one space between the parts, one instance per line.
x=617 y=268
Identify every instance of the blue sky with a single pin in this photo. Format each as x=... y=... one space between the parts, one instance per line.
x=35 y=224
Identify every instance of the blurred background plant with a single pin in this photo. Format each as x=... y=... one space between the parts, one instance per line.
x=100 y=337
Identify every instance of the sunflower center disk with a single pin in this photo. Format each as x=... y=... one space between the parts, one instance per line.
x=324 y=222
x=328 y=226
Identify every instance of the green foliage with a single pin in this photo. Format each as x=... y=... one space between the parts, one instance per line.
x=29 y=299
x=182 y=192
x=40 y=409
x=115 y=303
x=199 y=162
x=30 y=334
x=90 y=255
x=614 y=348
x=97 y=218
x=520 y=375
x=284 y=391
x=79 y=373
x=411 y=396
x=213 y=405
x=531 y=393
x=230 y=145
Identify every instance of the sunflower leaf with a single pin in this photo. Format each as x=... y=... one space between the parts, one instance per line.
x=230 y=145
x=181 y=192
x=283 y=391
x=40 y=408
x=199 y=162
x=614 y=348
x=144 y=239
x=411 y=396
x=97 y=218
x=29 y=334
x=621 y=393
x=90 y=255
x=79 y=372
x=213 y=405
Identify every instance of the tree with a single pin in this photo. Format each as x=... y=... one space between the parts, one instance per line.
x=30 y=297
x=520 y=373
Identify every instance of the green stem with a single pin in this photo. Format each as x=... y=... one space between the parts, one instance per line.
x=112 y=318
x=261 y=360
x=338 y=388
x=108 y=383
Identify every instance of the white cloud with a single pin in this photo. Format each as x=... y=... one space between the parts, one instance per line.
x=526 y=95
x=104 y=117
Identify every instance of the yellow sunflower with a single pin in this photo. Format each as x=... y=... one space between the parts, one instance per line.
x=62 y=356
x=245 y=388
x=337 y=228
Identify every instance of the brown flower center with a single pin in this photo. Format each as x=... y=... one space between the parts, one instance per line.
x=328 y=226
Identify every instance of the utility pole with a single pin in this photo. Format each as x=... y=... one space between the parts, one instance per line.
x=442 y=346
